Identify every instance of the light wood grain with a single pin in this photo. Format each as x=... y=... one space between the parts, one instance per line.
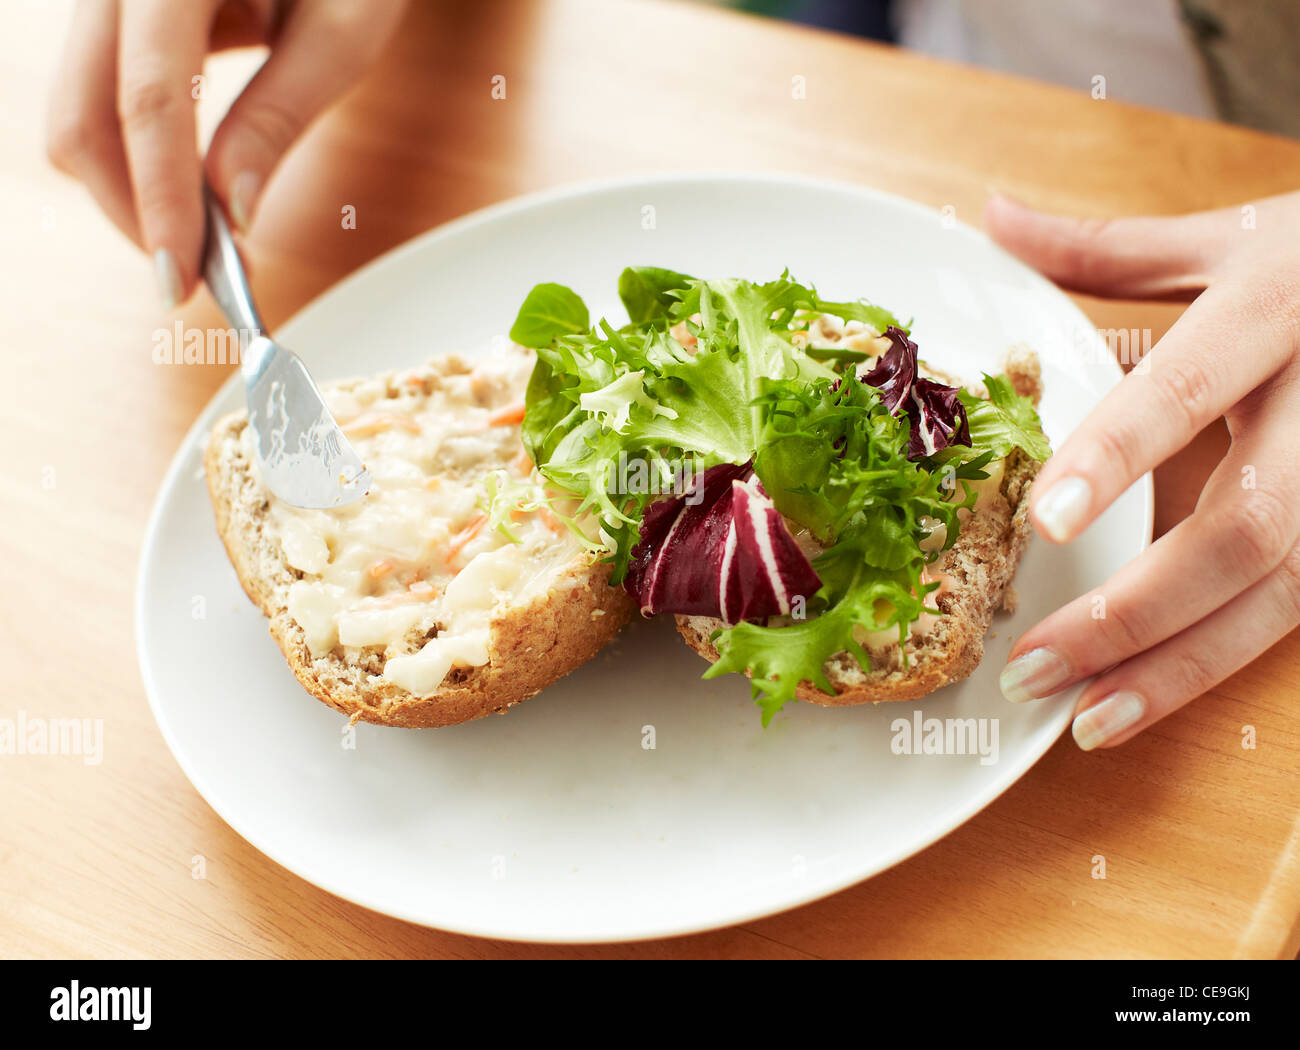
x=1200 y=836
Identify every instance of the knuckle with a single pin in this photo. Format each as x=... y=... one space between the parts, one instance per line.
x=160 y=200
x=1196 y=670
x=1126 y=629
x=146 y=98
x=1116 y=447
x=1078 y=251
x=1257 y=531
x=1185 y=388
x=271 y=126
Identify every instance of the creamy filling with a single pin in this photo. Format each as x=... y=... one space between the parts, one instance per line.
x=414 y=570
x=831 y=333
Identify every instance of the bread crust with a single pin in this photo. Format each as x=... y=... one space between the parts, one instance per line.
x=532 y=645
x=982 y=561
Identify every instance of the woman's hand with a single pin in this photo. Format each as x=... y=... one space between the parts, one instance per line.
x=1224 y=584
x=122 y=116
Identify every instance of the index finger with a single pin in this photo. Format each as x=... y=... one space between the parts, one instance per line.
x=1224 y=346
x=161 y=49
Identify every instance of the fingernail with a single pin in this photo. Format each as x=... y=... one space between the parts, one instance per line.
x=1108 y=719
x=169 y=278
x=1062 y=508
x=244 y=189
x=1038 y=673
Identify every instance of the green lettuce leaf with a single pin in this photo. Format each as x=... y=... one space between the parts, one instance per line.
x=550 y=311
x=608 y=404
x=1005 y=421
x=779 y=658
x=649 y=292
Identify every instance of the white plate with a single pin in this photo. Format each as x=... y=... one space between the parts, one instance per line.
x=554 y=823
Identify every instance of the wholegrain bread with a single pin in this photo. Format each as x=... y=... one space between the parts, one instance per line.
x=980 y=564
x=532 y=643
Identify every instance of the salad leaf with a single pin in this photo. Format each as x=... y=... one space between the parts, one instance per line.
x=833 y=451
x=938 y=418
x=877 y=316
x=1005 y=421
x=934 y=410
x=548 y=412
x=504 y=495
x=616 y=415
x=647 y=292
x=711 y=417
x=895 y=372
x=778 y=658
x=719 y=549
x=612 y=403
x=549 y=311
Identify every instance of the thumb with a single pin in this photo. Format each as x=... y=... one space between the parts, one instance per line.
x=321 y=50
x=1135 y=258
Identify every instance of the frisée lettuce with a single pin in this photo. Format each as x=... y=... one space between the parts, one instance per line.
x=714 y=372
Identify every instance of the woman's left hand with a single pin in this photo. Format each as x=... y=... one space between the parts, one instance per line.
x=1224 y=584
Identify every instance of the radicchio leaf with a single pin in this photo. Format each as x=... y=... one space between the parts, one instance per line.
x=895 y=372
x=938 y=419
x=936 y=414
x=720 y=549
x=678 y=560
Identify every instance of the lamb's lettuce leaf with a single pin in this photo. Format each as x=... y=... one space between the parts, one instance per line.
x=550 y=311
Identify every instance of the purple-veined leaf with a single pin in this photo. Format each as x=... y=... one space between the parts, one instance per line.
x=719 y=549
x=934 y=411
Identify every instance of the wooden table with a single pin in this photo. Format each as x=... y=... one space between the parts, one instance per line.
x=1200 y=836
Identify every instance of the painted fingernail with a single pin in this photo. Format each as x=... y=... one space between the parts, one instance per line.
x=1038 y=673
x=1062 y=508
x=1105 y=721
x=244 y=189
x=169 y=278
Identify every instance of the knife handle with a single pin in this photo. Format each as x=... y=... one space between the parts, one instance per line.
x=224 y=271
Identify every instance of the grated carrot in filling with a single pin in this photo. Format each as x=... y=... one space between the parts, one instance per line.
x=457 y=543
x=550 y=520
x=512 y=413
x=407 y=597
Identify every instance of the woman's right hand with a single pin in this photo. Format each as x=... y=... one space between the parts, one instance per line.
x=122 y=115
